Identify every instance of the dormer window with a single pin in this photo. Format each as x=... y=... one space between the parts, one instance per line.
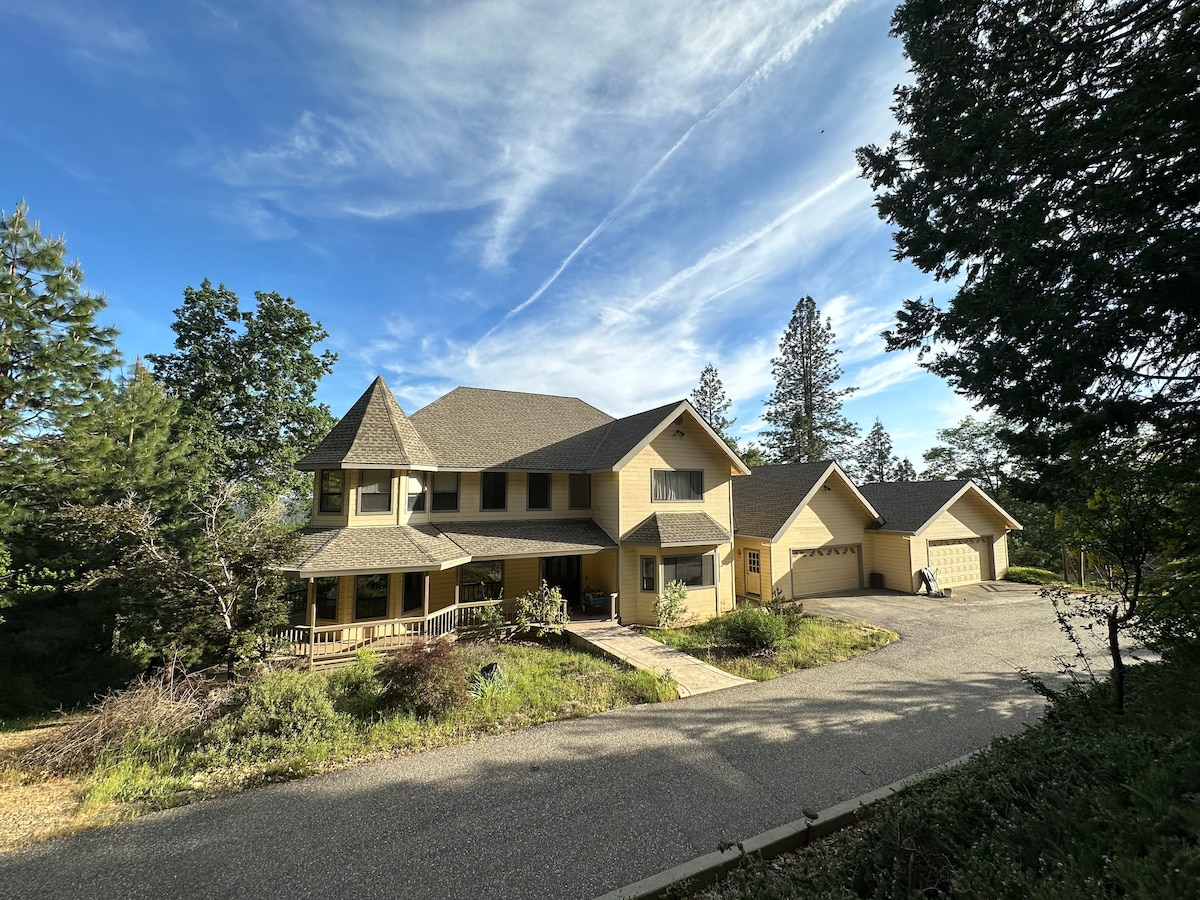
x=333 y=491
x=375 y=492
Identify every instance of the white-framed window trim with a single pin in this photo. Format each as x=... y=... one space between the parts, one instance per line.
x=676 y=485
x=695 y=570
x=374 y=492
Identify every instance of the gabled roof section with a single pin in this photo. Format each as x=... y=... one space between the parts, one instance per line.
x=625 y=438
x=911 y=506
x=476 y=428
x=375 y=433
x=683 y=529
x=766 y=503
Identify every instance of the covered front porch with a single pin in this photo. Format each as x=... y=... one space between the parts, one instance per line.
x=386 y=588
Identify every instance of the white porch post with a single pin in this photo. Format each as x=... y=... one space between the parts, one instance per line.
x=312 y=620
x=425 y=601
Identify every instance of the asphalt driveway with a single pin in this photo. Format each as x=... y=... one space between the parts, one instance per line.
x=577 y=808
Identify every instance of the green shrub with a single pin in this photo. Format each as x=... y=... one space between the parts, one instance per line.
x=754 y=629
x=670 y=606
x=355 y=689
x=1031 y=575
x=541 y=610
x=425 y=680
x=491 y=618
x=278 y=714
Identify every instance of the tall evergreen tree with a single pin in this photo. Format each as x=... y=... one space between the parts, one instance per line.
x=246 y=382
x=62 y=645
x=804 y=411
x=53 y=354
x=710 y=401
x=904 y=471
x=874 y=459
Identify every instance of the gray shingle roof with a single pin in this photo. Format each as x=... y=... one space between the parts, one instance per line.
x=763 y=502
x=622 y=435
x=375 y=549
x=907 y=505
x=475 y=428
x=375 y=432
x=681 y=529
x=543 y=537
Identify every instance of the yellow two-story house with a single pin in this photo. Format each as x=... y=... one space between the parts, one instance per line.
x=420 y=521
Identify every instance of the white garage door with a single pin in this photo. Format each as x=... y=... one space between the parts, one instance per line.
x=825 y=569
x=963 y=561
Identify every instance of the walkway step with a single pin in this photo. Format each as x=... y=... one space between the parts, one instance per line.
x=624 y=644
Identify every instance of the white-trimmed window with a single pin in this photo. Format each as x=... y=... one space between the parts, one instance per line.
x=333 y=491
x=649 y=570
x=416 y=491
x=676 y=484
x=693 y=571
x=445 y=492
x=370 y=596
x=375 y=491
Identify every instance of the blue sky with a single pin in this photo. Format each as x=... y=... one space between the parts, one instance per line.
x=592 y=199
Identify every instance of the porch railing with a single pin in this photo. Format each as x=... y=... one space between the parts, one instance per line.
x=330 y=641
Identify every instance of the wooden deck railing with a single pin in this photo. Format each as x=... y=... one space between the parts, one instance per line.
x=327 y=642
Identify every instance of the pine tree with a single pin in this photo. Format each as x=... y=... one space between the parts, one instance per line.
x=874 y=460
x=247 y=382
x=805 y=409
x=710 y=401
x=904 y=471
x=52 y=352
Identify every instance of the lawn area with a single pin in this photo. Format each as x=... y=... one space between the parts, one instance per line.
x=760 y=643
x=166 y=744
x=1087 y=804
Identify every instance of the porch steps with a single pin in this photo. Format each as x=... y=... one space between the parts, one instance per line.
x=625 y=645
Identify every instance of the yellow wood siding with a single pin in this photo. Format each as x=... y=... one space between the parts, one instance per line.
x=637 y=606
x=694 y=450
x=606 y=502
x=521 y=576
x=893 y=558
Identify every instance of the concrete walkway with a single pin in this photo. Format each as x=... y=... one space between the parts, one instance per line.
x=582 y=806
x=625 y=645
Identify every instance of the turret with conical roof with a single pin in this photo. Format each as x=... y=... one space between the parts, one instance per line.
x=375 y=433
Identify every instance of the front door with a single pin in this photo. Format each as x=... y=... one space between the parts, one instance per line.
x=564 y=573
x=753 y=573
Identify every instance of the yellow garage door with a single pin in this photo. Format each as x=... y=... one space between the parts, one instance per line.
x=822 y=569
x=962 y=561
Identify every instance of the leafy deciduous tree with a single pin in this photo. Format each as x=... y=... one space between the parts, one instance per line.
x=211 y=591
x=246 y=382
x=805 y=409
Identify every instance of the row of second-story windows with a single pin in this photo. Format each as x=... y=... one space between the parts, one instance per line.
x=375 y=491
